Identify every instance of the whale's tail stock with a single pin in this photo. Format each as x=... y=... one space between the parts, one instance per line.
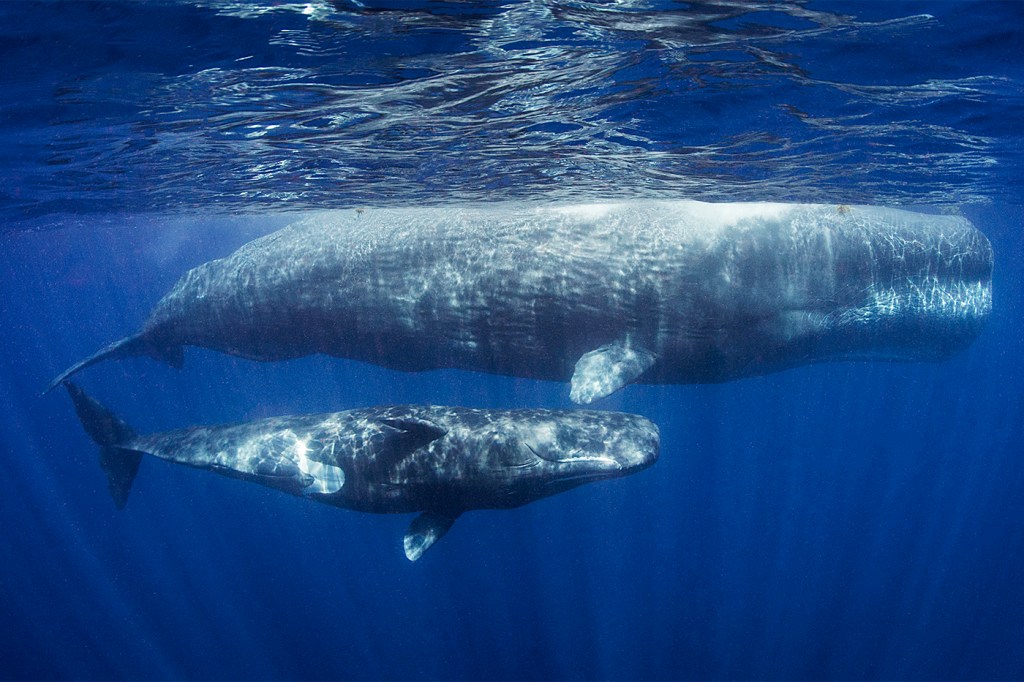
x=111 y=433
x=129 y=346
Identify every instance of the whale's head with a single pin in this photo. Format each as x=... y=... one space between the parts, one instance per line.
x=529 y=454
x=498 y=459
x=909 y=286
x=853 y=283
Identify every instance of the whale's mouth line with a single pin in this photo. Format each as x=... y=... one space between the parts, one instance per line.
x=925 y=298
x=571 y=459
x=583 y=478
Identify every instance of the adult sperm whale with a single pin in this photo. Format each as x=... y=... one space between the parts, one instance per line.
x=441 y=461
x=602 y=295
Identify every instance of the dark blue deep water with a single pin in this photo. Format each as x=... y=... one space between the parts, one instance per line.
x=844 y=521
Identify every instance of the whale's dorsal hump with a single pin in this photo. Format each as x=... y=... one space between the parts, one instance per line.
x=402 y=436
x=424 y=531
x=605 y=370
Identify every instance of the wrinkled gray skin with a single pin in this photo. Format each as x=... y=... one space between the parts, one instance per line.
x=604 y=294
x=441 y=461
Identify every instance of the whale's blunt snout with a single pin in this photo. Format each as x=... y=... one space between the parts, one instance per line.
x=622 y=444
x=642 y=446
x=588 y=445
x=922 y=291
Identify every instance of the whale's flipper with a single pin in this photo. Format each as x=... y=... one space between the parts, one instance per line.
x=603 y=371
x=110 y=432
x=424 y=531
x=129 y=346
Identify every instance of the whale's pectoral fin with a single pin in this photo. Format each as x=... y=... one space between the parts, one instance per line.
x=603 y=371
x=425 y=530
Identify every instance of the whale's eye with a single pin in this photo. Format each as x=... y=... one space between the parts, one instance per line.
x=521 y=456
x=544 y=448
x=507 y=452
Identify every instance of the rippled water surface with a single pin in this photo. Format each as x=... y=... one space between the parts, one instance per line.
x=254 y=106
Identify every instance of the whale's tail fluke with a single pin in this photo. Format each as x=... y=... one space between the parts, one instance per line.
x=129 y=346
x=111 y=433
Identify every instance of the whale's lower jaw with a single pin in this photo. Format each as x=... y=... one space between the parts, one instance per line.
x=929 y=304
x=932 y=320
x=904 y=324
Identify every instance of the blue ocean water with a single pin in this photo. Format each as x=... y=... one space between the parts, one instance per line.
x=846 y=520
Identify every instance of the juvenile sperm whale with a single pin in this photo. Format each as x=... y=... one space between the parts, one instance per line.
x=440 y=461
x=601 y=295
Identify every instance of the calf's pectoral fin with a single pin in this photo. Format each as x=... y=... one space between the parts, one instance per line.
x=605 y=370
x=425 y=530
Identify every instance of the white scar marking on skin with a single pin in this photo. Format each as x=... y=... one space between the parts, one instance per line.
x=327 y=478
